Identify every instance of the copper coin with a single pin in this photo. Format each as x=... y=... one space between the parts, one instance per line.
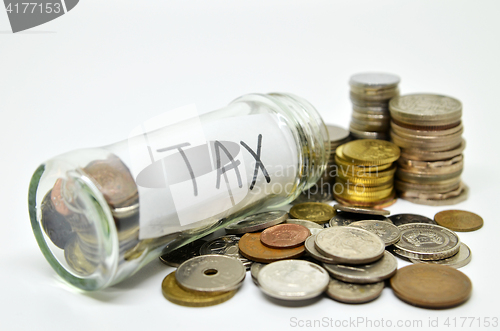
x=252 y=248
x=431 y=286
x=284 y=235
x=459 y=220
x=57 y=198
x=114 y=180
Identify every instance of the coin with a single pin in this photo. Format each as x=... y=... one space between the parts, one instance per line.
x=360 y=210
x=225 y=245
x=314 y=253
x=431 y=286
x=113 y=179
x=176 y=294
x=350 y=245
x=55 y=224
x=364 y=274
x=426 y=242
x=336 y=133
x=353 y=293
x=462 y=258
x=425 y=155
x=380 y=204
x=308 y=224
x=401 y=219
x=57 y=198
x=284 y=235
x=425 y=109
x=176 y=257
x=293 y=280
x=374 y=80
x=76 y=259
x=257 y=222
x=252 y=248
x=446 y=202
x=313 y=211
x=211 y=273
x=371 y=151
x=459 y=220
x=389 y=233
x=345 y=218
x=254 y=271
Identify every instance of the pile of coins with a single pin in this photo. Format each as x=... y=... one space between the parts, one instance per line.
x=293 y=259
x=366 y=173
x=370 y=95
x=428 y=129
x=64 y=218
x=322 y=190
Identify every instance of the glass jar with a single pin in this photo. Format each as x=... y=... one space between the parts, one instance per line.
x=100 y=214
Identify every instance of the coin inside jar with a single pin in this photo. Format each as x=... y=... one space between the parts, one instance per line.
x=257 y=222
x=211 y=273
x=284 y=235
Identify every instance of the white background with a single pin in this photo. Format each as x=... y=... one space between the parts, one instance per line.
x=89 y=77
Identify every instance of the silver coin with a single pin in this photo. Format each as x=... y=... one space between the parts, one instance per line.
x=337 y=133
x=426 y=242
x=345 y=218
x=254 y=271
x=293 y=280
x=350 y=245
x=401 y=219
x=176 y=257
x=462 y=258
x=353 y=293
x=257 y=222
x=367 y=273
x=425 y=155
x=308 y=224
x=445 y=202
x=388 y=232
x=374 y=79
x=211 y=273
x=361 y=210
x=368 y=135
x=310 y=247
x=225 y=245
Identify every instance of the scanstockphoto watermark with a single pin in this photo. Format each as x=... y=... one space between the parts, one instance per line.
x=25 y=14
x=449 y=322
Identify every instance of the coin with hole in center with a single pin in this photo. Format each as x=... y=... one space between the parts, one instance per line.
x=211 y=273
x=284 y=235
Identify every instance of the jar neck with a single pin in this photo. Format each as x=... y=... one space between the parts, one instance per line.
x=310 y=134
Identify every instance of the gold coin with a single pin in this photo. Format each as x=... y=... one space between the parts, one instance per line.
x=379 y=204
x=350 y=173
x=359 y=187
x=351 y=167
x=459 y=220
x=367 y=197
x=371 y=151
x=176 y=294
x=313 y=211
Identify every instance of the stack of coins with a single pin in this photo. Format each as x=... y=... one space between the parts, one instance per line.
x=428 y=129
x=322 y=190
x=370 y=95
x=366 y=173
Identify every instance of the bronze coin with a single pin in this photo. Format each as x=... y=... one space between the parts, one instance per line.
x=55 y=225
x=431 y=286
x=284 y=235
x=113 y=179
x=252 y=248
x=459 y=220
x=57 y=198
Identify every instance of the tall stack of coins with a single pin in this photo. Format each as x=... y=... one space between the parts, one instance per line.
x=322 y=190
x=370 y=95
x=366 y=173
x=428 y=129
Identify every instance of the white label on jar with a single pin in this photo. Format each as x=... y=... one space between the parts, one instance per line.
x=190 y=175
